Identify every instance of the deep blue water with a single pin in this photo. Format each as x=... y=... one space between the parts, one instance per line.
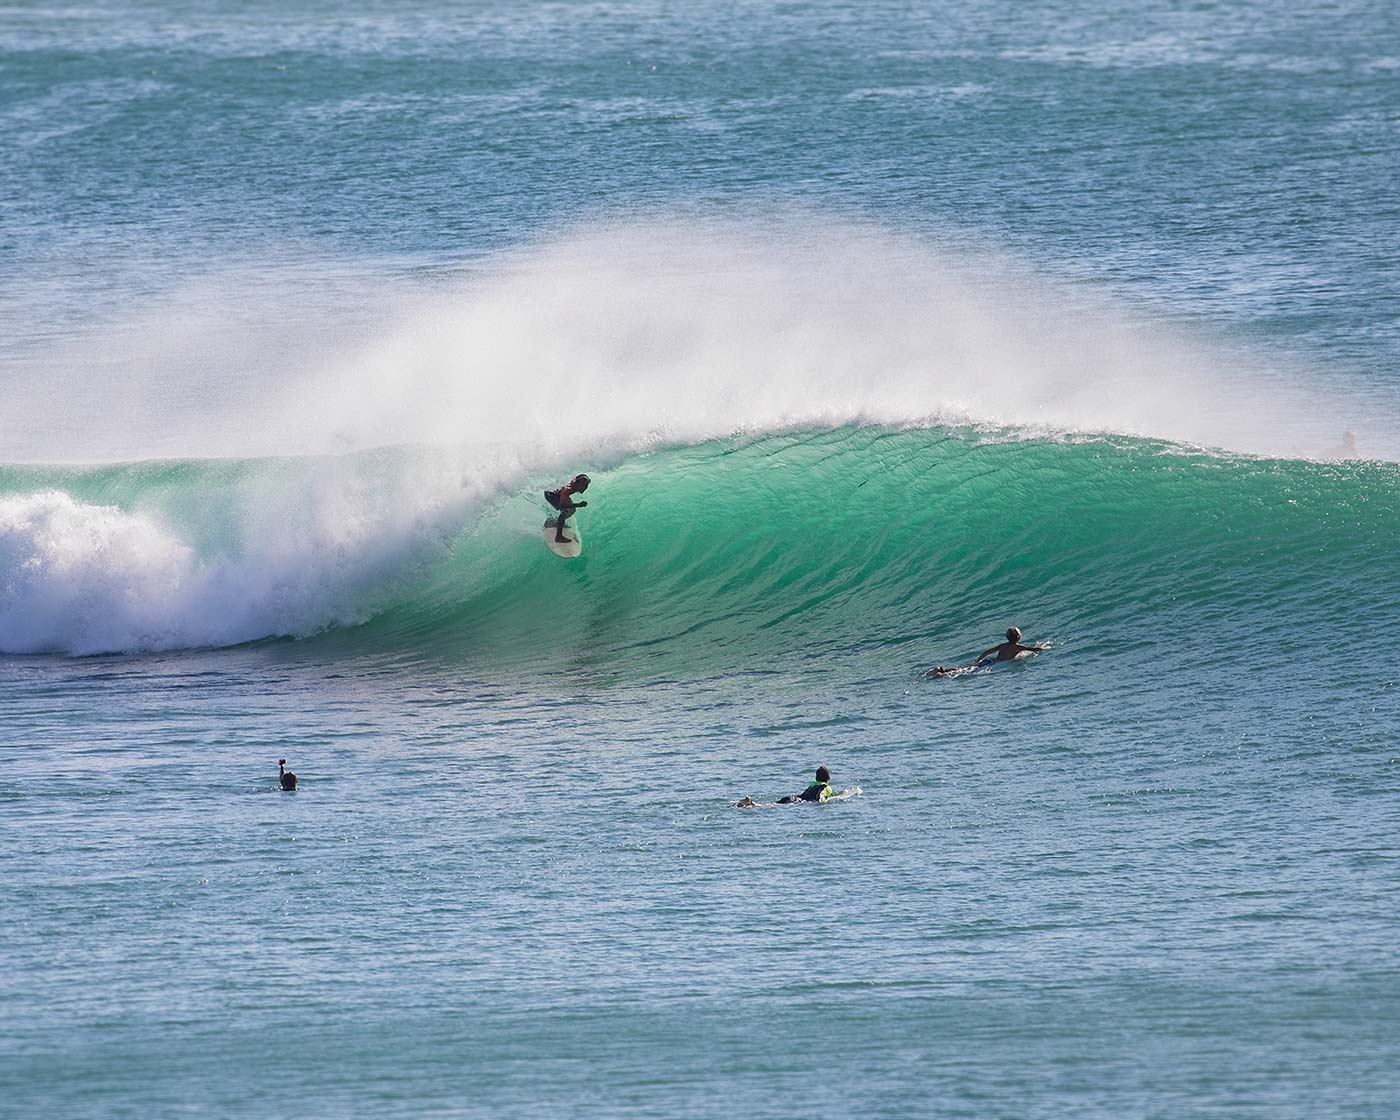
x=879 y=331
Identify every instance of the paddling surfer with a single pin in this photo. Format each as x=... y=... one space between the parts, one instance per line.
x=1008 y=650
x=818 y=791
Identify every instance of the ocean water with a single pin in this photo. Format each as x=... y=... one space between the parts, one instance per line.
x=879 y=328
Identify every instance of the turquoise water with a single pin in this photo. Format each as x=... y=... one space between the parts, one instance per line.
x=879 y=331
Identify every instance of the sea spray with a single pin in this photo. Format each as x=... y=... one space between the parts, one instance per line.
x=649 y=330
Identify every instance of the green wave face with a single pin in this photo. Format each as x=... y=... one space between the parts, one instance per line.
x=734 y=554
x=749 y=554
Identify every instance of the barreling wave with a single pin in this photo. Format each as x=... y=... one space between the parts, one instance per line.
x=745 y=551
x=808 y=436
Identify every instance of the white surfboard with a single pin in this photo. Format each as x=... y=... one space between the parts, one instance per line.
x=573 y=547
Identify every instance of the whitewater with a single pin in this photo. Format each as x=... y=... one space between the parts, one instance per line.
x=878 y=331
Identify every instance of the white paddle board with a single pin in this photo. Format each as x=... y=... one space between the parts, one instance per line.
x=567 y=549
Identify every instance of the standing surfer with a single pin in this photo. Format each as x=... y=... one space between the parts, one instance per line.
x=563 y=500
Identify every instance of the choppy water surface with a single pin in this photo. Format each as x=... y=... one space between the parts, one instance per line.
x=879 y=332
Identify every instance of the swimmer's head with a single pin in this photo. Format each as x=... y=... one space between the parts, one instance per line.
x=823 y=774
x=1013 y=634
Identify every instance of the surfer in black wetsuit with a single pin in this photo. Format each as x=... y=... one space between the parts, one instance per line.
x=285 y=778
x=820 y=790
x=1009 y=650
x=563 y=500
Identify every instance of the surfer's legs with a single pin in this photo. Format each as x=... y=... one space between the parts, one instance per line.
x=552 y=497
x=559 y=535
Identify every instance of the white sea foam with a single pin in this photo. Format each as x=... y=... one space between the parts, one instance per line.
x=288 y=549
x=82 y=578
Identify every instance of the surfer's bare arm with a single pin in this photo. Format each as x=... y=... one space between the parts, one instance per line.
x=986 y=653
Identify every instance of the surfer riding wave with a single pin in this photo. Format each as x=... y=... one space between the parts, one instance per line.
x=563 y=500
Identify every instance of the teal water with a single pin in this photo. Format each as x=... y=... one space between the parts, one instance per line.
x=878 y=331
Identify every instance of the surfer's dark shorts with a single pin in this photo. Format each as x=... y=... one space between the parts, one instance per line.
x=552 y=497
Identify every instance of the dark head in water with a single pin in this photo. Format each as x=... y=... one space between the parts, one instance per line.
x=285 y=776
x=1013 y=634
x=823 y=774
